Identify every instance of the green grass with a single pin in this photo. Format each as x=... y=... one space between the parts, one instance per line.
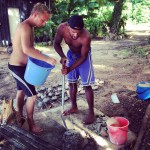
x=140 y=51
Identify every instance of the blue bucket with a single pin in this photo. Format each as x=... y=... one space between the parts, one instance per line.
x=37 y=71
x=143 y=90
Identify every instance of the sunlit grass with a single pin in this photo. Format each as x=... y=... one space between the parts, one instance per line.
x=125 y=53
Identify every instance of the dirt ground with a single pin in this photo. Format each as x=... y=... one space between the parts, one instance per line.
x=117 y=67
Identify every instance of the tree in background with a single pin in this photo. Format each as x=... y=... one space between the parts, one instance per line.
x=100 y=16
x=116 y=17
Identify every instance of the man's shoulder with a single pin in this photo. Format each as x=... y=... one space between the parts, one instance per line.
x=24 y=26
x=86 y=34
x=62 y=29
x=85 y=37
x=62 y=25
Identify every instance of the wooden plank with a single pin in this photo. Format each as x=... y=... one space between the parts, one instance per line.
x=8 y=145
x=32 y=138
x=10 y=140
x=20 y=138
x=15 y=140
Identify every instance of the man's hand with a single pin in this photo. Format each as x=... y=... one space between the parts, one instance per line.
x=63 y=61
x=65 y=70
x=51 y=61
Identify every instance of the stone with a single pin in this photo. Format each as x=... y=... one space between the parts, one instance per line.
x=45 y=100
x=40 y=104
x=50 y=94
x=103 y=132
x=54 y=98
x=95 y=87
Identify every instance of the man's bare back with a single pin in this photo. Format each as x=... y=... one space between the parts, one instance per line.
x=18 y=57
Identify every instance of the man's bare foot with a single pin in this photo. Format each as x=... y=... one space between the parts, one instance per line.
x=89 y=119
x=70 y=111
x=36 y=129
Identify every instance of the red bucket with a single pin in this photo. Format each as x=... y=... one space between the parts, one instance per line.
x=117 y=130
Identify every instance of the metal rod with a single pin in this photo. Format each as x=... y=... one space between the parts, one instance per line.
x=63 y=92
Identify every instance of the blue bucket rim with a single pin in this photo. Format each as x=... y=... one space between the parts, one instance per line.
x=51 y=66
x=142 y=94
x=143 y=82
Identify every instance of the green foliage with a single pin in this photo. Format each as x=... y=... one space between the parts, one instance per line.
x=93 y=26
x=138 y=11
x=44 y=33
x=93 y=5
x=97 y=15
x=122 y=24
x=107 y=13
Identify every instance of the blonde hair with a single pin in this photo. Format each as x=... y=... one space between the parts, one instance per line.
x=41 y=8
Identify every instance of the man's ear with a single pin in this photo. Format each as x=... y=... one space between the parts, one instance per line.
x=35 y=13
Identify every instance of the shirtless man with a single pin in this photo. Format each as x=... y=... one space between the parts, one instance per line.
x=79 y=62
x=22 y=48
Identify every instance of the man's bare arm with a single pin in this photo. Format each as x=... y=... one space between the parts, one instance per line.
x=27 y=46
x=84 y=54
x=58 y=40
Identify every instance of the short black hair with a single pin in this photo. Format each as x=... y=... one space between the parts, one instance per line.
x=76 y=22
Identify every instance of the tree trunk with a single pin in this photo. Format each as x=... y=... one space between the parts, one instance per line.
x=114 y=26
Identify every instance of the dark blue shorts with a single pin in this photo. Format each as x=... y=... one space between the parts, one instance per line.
x=18 y=73
x=85 y=70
